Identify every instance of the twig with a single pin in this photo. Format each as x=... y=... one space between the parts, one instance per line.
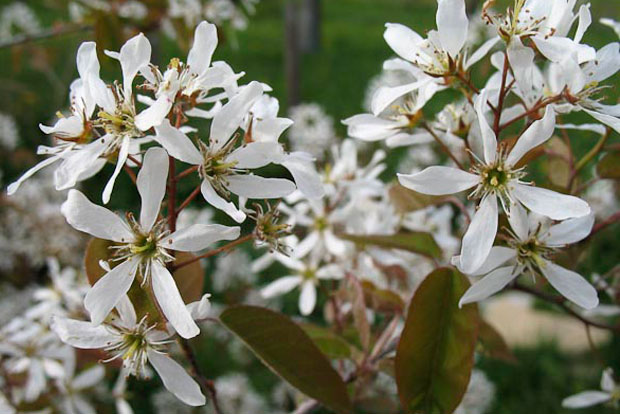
x=502 y=96
x=561 y=302
x=204 y=382
x=188 y=200
x=130 y=173
x=443 y=146
x=45 y=34
x=187 y=172
x=614 y=218
x=531 y=111
x=214 y=252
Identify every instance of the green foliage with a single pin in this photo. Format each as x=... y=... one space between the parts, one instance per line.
x=416 y=242
x=435 y=354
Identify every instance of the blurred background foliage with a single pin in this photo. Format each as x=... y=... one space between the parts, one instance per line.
x=34 y=81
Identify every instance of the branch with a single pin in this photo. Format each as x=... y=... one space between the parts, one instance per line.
x=561 y=302
x=532 y=110
x=502 y=96
x=45 y=34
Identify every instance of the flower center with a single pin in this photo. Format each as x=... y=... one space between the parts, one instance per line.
x=309 y=274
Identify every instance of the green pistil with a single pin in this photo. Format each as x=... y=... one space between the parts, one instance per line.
x=309 y=274
x=496 y=177
x=145 y=246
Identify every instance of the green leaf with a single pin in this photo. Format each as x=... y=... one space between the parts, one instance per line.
x=609 y=165
x=494 y=344
x=435 y=354
x=382 y=300
x=331 y=344
x=416 y=242
x=286 y=349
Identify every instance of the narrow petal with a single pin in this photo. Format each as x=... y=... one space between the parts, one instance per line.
x=109 y=290
x=402 y=40
x=213 y=198
x=386 y=95
x=439 y=180
x=550 y=203
x=489 y=140
x=93 y=219
x=123 y=152
x=170 y=301
x=569 y=231
x=229 y=118
x=331 y=271
x=481 y=52
x=304 y=173
x=176 y=379
x=76 y=162
x=586 y=399
x=13 y=187
x=151 y=184
x=497 y=257
x=280 y=286
x=488 y=285
x=254 y=186
x=81 y=334
x=571 y=285
x=256 y=155
x=205 y=43
x=480 y=235
x=307 y=298
x=609 y=120
x=177 y=143
x=134 y=55
x=538 y=133
x=556 y=49
x=198 y=236
x=452 y=25
x=89 y=378
x=519 y=222
x=200 y=309
x=154 y=114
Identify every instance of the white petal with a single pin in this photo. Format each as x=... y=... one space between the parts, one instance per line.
x=109 y=290
x=217 y=201
x=368 y=127
x=452 y=25
x=331 y=271
x=607 y=380
x=489 y=140
x=198 y=236
x=76 y=162
x=256 y=154
x=521 y=61
x=170 y=301
x=281 y=286
x=254 y=186
x=229 y=118
x=176 y=379
x=134 y=55
x=177 y=143
x=480 y=235
x=571 y=285
x=539 y=132
x=585 y=20
x=306 y=177
x=154 y=114
x=200 y=309
x=481 y=52
x=307 y=298
x=403 y=139
x=488 y=285
x=557 y=48
x=13 y=187
x=81 y=334
x=334 y=245
x=89 y=378
x=609 y=120
x=586 y=399
x=569 y=231
x=307 y=244
x=87 y=62
x=519 y=222
x=439 y=180
x=550 y=203
x=93 y=219
x=151 y=184
x=205 y=42
x=385 y=95
x=123 y=152
x=497 y=257
x=402 y=40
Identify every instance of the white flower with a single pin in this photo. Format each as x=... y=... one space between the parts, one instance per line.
x=187 y=84
x=496 y=177
x=312 y=130
x=610 y=394
x=17 y=18
x=72 y=387
x=136 y=343
x=9 y=135
x=529 y=250
x=143 y=246
x=222 y=167
x=601 y=196
x=307 y=276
